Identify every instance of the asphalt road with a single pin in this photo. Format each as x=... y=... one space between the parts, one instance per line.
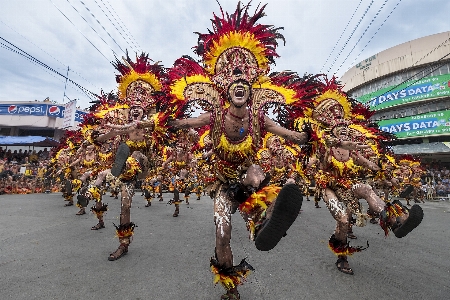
x=47 y=252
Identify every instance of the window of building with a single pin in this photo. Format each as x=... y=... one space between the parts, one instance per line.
x=443 y=69
x=36 y=132
x=5 y=131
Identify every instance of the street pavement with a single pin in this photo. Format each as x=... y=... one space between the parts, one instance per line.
x=47 y=252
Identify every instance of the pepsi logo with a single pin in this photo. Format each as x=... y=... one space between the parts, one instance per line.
x=54 y=110
x=12 y=109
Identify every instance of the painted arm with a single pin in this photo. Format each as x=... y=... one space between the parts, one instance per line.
x=295 y=136
x=113 y=133
x=196 y=122
x=362 y=161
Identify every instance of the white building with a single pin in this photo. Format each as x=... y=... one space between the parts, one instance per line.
x=408 y=86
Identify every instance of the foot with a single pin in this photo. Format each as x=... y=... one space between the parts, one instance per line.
x=232 y=294
x=279 y=217
x=81 y=212
x=373 y=221
x=343 y=266
x=121 y=251
x=317 y=205
x=350 y=235
x=68 y=204
x=148 y=204
x=121 y=157
x=175 y=214
x=406 y=223
x=99 y=225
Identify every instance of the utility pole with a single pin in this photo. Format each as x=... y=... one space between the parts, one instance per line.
x=65 y=85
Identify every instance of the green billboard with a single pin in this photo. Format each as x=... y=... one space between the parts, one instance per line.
x=434 y=123
x=423 y=89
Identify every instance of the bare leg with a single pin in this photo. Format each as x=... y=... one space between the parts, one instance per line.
x=365 y=191
x=222 y=220
x=339 y=212
x=254 y=176
x=125 y=230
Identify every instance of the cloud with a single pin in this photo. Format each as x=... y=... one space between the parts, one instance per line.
x=164 y=29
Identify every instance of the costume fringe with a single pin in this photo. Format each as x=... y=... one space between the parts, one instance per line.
x=95 y=193
x=339 y=248
x=99 y=211
x=125 y=230
x=390 y=210
x=231 y=277
x=256 y=205
x=132 y=168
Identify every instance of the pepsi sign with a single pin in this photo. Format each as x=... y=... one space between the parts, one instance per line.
x=23 y=109
x=79 y=116
x=50 y=110
x=55 y=111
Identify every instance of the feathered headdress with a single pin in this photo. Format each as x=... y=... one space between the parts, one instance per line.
x=140 y=82
x=237 y=47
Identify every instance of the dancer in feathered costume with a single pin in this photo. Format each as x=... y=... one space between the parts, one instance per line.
x=181 y=161
x=409 y=173
x=141 y=84
x=236 y=91
x=90 y=183
x=341 y=171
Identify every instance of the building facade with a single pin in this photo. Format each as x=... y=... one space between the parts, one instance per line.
x=35 y=119
x=408 y=88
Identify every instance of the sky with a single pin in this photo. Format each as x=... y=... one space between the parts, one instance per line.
x=80 y=38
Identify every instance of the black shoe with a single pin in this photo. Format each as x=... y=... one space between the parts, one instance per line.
x=286 y=209
x=415 y=217
x=121 y=158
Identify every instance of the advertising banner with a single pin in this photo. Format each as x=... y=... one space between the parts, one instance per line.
x=55 y=111
x=418 y=126
x=23 y=109
x=69 y=114
x=79 y=116
x=39 y=110
x=425 y=88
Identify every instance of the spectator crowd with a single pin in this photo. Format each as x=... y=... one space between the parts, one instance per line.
x=24 y=172
x=436 y=180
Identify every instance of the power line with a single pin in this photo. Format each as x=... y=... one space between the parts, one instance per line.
x=36 y=63
x=351 y=35
x=357 y=42
x=415 y=64
x=345 y=29
x=81 y=33
x=101 y=25
x=119 y=31
x=120 y=25
x=47 y=53
x=375 y=33
x=4 y=46
x=115 y=54
x=32 y=58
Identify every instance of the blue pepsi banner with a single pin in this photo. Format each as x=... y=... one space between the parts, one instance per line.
x=23 y=109
x=79 y=115
x=39 y=110
x=55 y=111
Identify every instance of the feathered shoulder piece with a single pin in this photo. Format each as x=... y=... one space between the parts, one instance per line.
x=191 y=85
